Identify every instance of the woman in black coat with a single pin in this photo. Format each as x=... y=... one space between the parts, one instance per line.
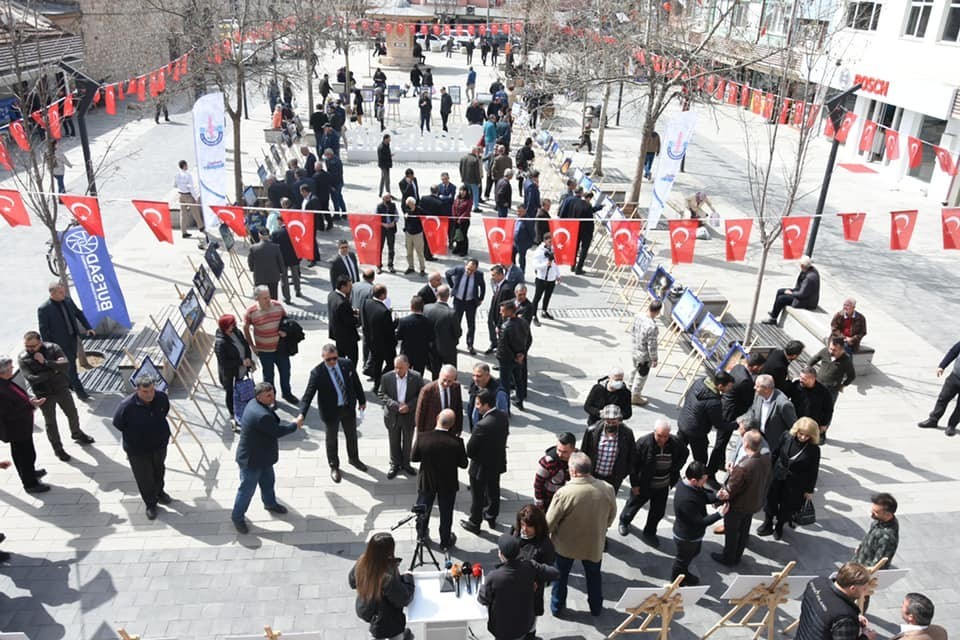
x=796 y=463
x=234 y=358
x=531 y=528
x=382 y=592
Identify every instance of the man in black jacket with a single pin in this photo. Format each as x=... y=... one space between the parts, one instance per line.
x=500 y=291
x=428 y=292
x=949 y=390
x=446 y=105
x=778 y=363
x=446 y=331
x=736 y=401
x=344 y=264
x=142 y=419
x=415 y=334
x=16 y=427
x=338 y=390
x=611 y=447
x=804 y=295
x=690 y=500
x=266 y=262
x=380 y=332
x=468 y=289
x=702 y=410
x=387 y=210
x=440 y=454
x=829 y=608
x=512 y=347
x=811 y=399
x=409 y=188
x=608 y=390
x=342 y=319
x=657 y=462
x=62 y=323
x=487 y=450
x=385 y=162
x=45 y=367
x=291 y=262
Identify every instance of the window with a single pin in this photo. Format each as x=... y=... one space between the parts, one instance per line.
x=918 y=18
x=863 y=16
x=951 y=29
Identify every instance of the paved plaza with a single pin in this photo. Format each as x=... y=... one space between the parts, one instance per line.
x=86 y=560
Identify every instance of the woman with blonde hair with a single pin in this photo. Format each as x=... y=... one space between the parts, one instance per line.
x=382 y=592
x=796 y=462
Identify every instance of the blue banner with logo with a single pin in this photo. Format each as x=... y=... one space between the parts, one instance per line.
x=94 y=277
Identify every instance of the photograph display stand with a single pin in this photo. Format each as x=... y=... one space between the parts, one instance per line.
x=244 y=277
x=444 y=616
x=270 y=634
x=235 y=297
x=669 y=339
x=760 y=593
x=121 y=633
x=702 y=351
x=191 y=382
x=664 y=603
x=203 y=339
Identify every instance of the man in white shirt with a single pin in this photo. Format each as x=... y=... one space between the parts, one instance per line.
x=547 y=276
x=189 y=198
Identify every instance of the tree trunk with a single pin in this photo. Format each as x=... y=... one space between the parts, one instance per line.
x=235 y=116
x=310 y=68
x=597 y=171
x=761 y=270
x=649 y=122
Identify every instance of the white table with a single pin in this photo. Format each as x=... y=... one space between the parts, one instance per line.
x=443 y=615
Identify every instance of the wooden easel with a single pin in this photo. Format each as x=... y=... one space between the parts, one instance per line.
x=665 y=606
x=126 y=636
x=871 y=589
x=203 y=339
x=671 y=338
x=689 y=369
x=244 y=279
x=227 y=287
x=766 y=597
x=190 y=386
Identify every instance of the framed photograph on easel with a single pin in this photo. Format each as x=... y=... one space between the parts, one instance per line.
x=708 y=335
x=735 y=355
x=149 y=368
x=660 y=284
x=213 y=260
x=191 y=311
x=686 y=310
x=203 y=284
x=171 y=344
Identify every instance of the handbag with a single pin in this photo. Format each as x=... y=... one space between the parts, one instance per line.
x=643 y=368
x=807 y=514
x=243 y=393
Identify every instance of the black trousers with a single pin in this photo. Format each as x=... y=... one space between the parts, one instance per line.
x=698 y=445
x=718 y=457
x=781 y=301
x=468 y=307
x=542 y=289
x=445 y=502
x=274 y=288
x=25 y=459
x=148 y=470
x=388 y=237
x=484 y=497
x=443 y=118
x=736 y=534
x=380 y=363
x=70 y=351
x=949 y=391
x=349 y=349
x=64 y=400
x=584 y=239
x=347 y=418
x=686 y=552
x=400 y=435
x=658 y=507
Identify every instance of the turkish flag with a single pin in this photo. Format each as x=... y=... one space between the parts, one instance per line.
x=499 y=232
x=744 y=96
x=5 y=157
x=798 y=113
x=784 y=112
x=852 y=225
x=68 y=105
x=914 y=152
x=901 y=229
x=12 y=209
x=175 y=70
x=866 y=136
x=732 y=89
x=945 y=158
x=828 y=131
x=625 y=235
x=951 y=227
x=365 y=228
x=768 y=101
x=435 y=233
x=721 y=87
x=845 y=125
x=813 y=112
x=233 y=218
x=795 y=229
x=162 y=80
x=564 y=234
x=157 y=216
x=737 y=238
x=86 y=211
x=756 y=102
x=19 y=135
x=300 y=227
x=141 y=89
x=683 y=238
x=709 y=83
x=131 y=86
x=53 y=116
x=38 y=118
x=892 y=144
x=111 y=101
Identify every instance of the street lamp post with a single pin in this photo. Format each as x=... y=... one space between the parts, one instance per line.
x=835 y=113
x=89 y=88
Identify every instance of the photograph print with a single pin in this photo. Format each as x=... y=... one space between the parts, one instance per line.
x=191 y=311
x=149 y=368
x=660 y=284
x=708 y=335
x=171 y=344
x=204 y=285
x=213 y=260
x=686 y=310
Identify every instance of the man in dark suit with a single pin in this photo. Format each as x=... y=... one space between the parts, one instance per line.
x=804 y=295
x=771 y=412
x=379 y=329
x=466 y=284
x=428 y=292
x=399 y=390
x=515 y=341
x=446 y=331
x=440 y=453
x=266 y=262
x=690 y=521
x=734 y=403
x=62 y=322
x=415 y=335
x=745 y=490
x=321 y=190
x=442 y=393
x=409 y=188
x=342 y=319
x=483 y=381
x=778 y=363
x=345 y=263
x=500 y=290
x=610 y=445
x=258 y=451
x=487 y=450
x=291 y=262
x=16 y=427
x=338 y=390
x=524 y=307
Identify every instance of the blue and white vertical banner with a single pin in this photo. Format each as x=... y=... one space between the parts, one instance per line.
x=674 y=141
x=94 y=277
x=209 y=128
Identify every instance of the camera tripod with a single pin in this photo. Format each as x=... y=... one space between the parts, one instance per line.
x=422 y=545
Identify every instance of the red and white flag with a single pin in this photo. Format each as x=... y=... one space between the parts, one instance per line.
x=111 y=101
x=866 y=136
x=499 y=232
x=945 y=158
x=5 y=157
x=625 y=235
x=914 y=151
x=86 y=211
x=737 y=234
x=19 y=135
x=795 y=230
x=365 y=228
x=852 y=225
x=892 y=144
x=950 y=219
x=12 y=208
x=683 y=240
x=157 y=216
x=233 y=218
x=901 y=228
x=300 y=228
x=435 y=233
x=564 y=234
x=845 y=125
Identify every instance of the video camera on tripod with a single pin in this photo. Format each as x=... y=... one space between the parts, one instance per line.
x=418 y=511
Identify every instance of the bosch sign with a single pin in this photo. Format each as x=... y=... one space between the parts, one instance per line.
x=872 y=85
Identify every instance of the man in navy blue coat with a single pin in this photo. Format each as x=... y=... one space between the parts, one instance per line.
x=258 y=451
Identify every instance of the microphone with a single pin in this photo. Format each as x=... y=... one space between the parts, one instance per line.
x=456 y=572
x=477 y=573
x=448 y=564
x=467 y=572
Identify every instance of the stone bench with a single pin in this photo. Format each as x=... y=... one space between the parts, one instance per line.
x=813 y=328
x=272 y=136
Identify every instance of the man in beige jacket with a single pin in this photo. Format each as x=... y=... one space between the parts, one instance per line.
x=580 y=514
